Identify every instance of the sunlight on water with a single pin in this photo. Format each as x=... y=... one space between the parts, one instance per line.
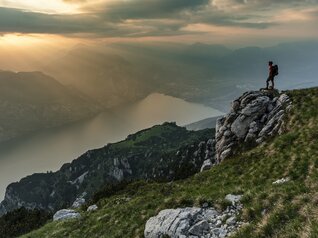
x=48 y=150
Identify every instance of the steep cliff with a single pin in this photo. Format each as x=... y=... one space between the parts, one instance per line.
x=161 y=153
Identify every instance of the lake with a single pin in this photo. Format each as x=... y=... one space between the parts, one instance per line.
x=48 y=150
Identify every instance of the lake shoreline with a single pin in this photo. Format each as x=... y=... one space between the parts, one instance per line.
x=49 y=149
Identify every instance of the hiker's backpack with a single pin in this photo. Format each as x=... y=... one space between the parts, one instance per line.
x=275 y=69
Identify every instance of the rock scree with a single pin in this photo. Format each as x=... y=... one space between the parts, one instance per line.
x=254 y=117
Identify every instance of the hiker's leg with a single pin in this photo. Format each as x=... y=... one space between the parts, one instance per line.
x=267 y=82
x=273 y=82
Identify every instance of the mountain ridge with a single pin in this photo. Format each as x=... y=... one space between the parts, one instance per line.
x=140 y=156
x=44 y=103
x=270 y=208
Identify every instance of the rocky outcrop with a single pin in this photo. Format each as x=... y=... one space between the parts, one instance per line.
x=161 y=153
x=12 y=201
x=195 y=222
x=66 y=214
x=254 y=117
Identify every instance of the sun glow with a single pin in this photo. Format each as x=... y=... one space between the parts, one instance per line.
x=51 y=6
x=34 y=40
x=28 y=52
x=20 y=40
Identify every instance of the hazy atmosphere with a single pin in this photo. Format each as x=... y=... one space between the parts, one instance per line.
x=65 y=61
x=76 y=75
x=69 y=60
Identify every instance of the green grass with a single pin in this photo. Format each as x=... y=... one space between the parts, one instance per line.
x=156 y=136
x=146 y=137
x=291 y=208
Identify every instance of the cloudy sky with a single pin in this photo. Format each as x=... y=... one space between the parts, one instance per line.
x=232 y=22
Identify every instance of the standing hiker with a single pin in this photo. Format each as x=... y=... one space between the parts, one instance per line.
x=273 y=71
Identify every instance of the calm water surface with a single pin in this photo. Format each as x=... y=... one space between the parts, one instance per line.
x=48 y=150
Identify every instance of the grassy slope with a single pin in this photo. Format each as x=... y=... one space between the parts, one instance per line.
x=291 y=208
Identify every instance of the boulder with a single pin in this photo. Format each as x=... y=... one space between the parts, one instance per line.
x=171 y=222
x=65 y=214
x=92 y=208
x=194 y=222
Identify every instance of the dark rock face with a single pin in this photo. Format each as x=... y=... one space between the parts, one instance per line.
x=254 y=117
x=209 y=158
x=162 y=153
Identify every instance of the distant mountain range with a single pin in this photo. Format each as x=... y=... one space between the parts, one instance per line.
x=108 y=78
x=202 y=73
x=32 y=100
x=118 y=73
x=105 y=76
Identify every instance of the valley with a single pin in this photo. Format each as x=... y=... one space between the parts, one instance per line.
x=47 y=150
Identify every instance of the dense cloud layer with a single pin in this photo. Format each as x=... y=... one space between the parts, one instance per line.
x=135 y=18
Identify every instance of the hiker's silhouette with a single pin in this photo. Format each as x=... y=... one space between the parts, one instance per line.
x=273 y=71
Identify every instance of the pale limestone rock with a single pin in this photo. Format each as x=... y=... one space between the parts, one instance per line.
x=66 y=214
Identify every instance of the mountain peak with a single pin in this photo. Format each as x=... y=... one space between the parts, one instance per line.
x=254 y=117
